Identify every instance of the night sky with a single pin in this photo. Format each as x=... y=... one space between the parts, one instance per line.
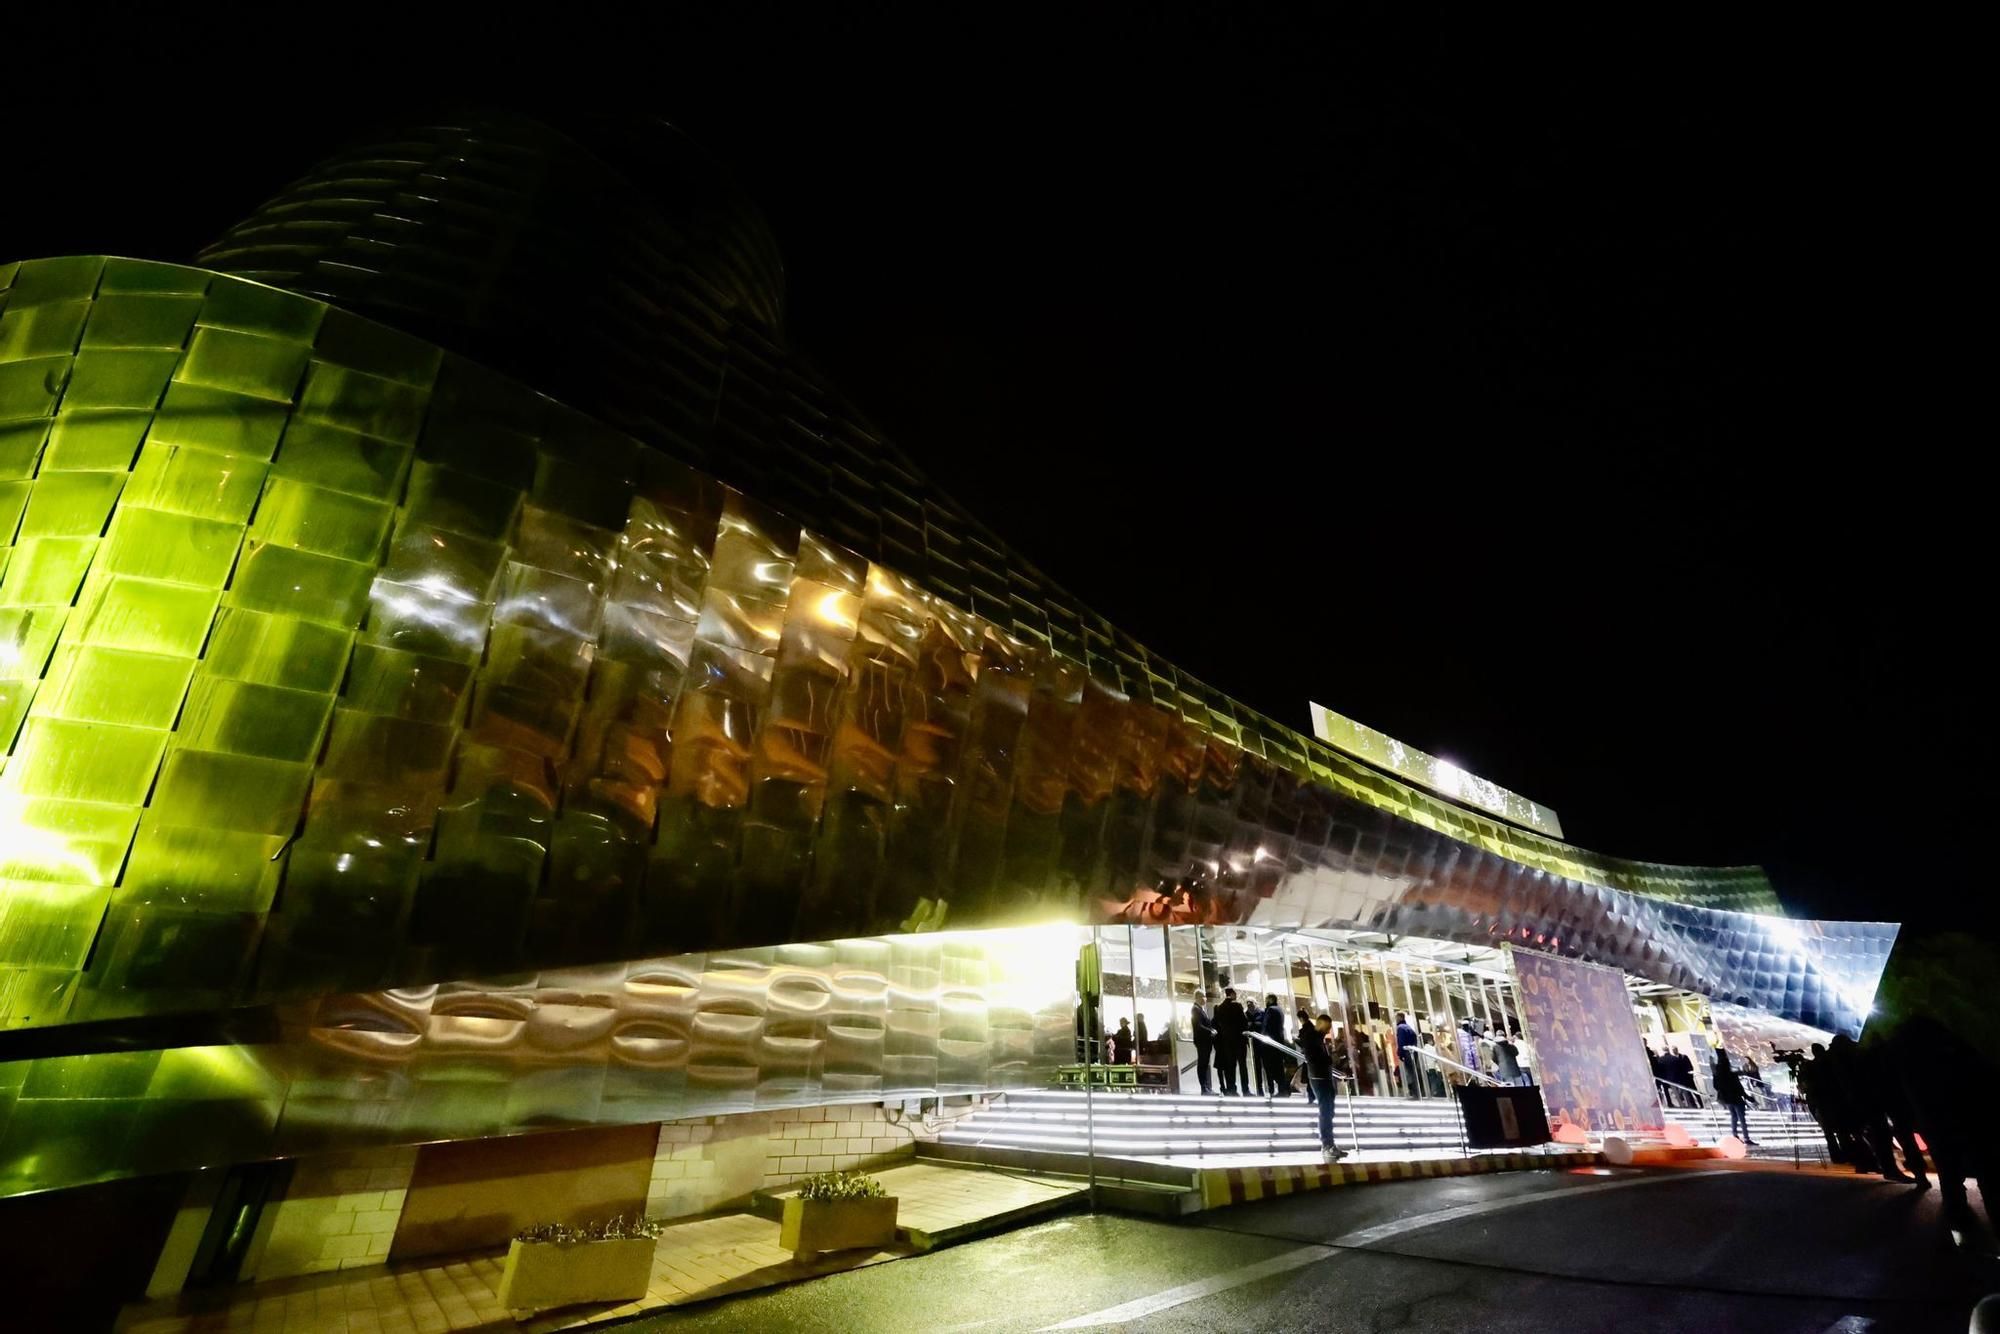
x=1585 y=411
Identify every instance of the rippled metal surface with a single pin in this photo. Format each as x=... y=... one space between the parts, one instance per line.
x=619 y=1044
x=334 y=662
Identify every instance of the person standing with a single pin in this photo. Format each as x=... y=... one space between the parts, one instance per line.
x=1275 y=1083
x=1365 y=1064
x=1139 y=1039
x=1506 y=1060
x=1204 y=1041
x=1729 y=1092
x=1318 y=1053
x=1524 y=1055
x=1299 y=1041
x=1680 y=1066
x=1815 y=1082
x=1406 y=1056
x=1952 y=1088
x=1468 y=1046
x=1843 y=1057
x=1431 y=1067
x=1230 y=1026
x=1884 y=1100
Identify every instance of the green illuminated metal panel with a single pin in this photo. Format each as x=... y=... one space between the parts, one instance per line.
x=328 y=660
x=331 y=663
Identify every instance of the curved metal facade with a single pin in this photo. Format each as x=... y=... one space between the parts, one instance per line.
x=332 y=661
x=338 y=662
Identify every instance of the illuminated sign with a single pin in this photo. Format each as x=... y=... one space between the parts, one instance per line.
x=1427 y=771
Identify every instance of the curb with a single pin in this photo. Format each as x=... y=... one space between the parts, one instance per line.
x=1224 y=1186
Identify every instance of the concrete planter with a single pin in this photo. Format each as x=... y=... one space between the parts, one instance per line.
x=837 y=1225
x=541 y=1274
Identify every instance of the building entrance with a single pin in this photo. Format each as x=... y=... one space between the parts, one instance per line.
x=1457 y=1000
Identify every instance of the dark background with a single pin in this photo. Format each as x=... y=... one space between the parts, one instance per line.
x=1586 y=406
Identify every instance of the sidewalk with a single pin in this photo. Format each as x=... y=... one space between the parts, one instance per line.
x=696 y=1260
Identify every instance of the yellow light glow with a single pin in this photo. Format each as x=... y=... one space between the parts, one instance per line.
x=838 y=610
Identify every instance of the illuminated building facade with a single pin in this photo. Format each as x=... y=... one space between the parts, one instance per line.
x=453 y=575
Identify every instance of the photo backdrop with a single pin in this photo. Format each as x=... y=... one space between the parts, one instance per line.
x=1589 y=1057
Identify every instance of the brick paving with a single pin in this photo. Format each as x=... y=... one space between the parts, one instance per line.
x=696 y=1260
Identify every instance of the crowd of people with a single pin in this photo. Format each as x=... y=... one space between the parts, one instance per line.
x=1226 y=1034
x=1922 y=1091
x=1915 y=1100
x=1674 y=1072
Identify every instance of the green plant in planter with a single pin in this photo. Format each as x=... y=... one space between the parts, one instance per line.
x=838 y=1211
x=840 y=1186
x=553 y=1264
x=626 y=1227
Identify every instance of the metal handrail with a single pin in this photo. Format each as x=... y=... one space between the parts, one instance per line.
x=1481 y=1076
x=1700 y=1098
x=1757 y=1094
x=1458 y=1111
x=1289 y=1050
x=1353 y=1124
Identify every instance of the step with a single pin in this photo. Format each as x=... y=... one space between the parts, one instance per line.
x=1079 y=1117
x=1234 y=1107
x=1303 y=1116
x=1130 y=1126
x=1060 y=1163
x=1197 y=1103
x=1156 y=1148
x=1066 y=1121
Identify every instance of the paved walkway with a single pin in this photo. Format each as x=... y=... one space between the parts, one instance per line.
x=695 y=1261
x=1711 y=1247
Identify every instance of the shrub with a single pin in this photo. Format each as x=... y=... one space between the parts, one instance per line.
x=624 y=1228
x=840 y=1186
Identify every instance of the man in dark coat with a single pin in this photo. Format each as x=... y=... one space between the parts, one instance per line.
x=1406 y=1056
x=1729 y=1092
x=1204 y=1041
x=1231 y=1023
x=1317 y=1048
x=1682 y=1066
x=1951 y=1087
x=1886 y=1101
x=1275 y=1083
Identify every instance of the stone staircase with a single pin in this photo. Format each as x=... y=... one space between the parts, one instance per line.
x=1173 y=1154
x=1180 y=1126
x=1183 y=1128
x=1777 y=1134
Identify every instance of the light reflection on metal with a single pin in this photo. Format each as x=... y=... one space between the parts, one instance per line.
x=1428 y=771
x=655 y=1039
x=339 y=662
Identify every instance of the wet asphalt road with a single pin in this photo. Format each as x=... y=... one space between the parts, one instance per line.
x=1567 y=1251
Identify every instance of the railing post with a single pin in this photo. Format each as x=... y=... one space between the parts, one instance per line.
x=1353 y=1122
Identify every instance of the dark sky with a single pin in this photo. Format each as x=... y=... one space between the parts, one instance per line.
x=1583 y=408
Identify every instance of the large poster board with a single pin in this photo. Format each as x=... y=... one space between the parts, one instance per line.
x=1588 y=1054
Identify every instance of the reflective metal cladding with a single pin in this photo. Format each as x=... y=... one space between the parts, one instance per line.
x=332 y=661
x=457 y=577
x=613 y=1044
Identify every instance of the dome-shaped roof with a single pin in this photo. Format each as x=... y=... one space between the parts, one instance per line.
x=566 y=257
